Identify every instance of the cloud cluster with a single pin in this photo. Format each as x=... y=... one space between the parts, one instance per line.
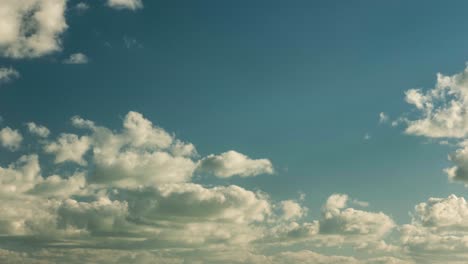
x=31 y=28
x=128 y=195
x=7 y=74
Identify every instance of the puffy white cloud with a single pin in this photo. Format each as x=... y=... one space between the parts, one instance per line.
x=31 y=28
x=443 y=110
x=76 y=58
x=8 y=74
x=10 y=139
x=439 y=230
x=69 y=147
x=125 y=4
x=233 y=163
x=349 y=221
x=20 y=176
x=38 y=130
x=292 y=210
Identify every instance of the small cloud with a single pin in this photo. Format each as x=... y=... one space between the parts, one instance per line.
x=77 y=58
x=383 y=118
x=81 y=7
x=367 y=136
x=360 y=203
x=8 y=74
x=125 y=4
x=131 y=42
x=38 y=130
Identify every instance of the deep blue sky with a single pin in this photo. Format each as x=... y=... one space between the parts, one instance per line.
x=298 y=82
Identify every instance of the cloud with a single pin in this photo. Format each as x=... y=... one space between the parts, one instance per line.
x=76 y=58
x=125 y=4
x=10 y=139
x=233 y=163
x=31 y=28
x=383 y=118
x=69 y=147
x=292 y=210
x=439 y=230
x=38 y=130
x=8 y=74
x=129 y=195
x=442 y=110
x=81 y=7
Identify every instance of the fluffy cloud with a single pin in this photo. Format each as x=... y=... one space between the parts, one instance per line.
x=127 y=195
x=69 y=147
x=10 y=139
x=292 y=210
x=8 y=74
x=76 y=58
x=233 y=163
x=38 y=130
x=31 y=28
x=340 y=220
x=125 y=4
x=439 y=230
x=443 y=109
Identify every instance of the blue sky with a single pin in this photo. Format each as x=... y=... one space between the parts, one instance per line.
x=298 y=83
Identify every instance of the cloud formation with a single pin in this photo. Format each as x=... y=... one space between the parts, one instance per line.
x=8 y=74
x=125 y=4
x=76 y=58
x=31 y=28
x=10 y=139
x=233 y=163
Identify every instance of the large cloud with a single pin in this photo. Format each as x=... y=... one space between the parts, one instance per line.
x=439 y=230
x=31 y=28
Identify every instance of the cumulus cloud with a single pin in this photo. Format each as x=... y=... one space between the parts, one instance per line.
x=8 y=74
x=233 y=163
x=10 y=139
x=31 y=28
x=132 y=199
x=439 y=230
x=442 y=109
x=125 y=4
x=38 y=130
x=76 y=58
x=69 y=147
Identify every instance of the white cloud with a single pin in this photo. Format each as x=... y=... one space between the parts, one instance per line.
x=383 y=118
x=77 y=58
x=233 y=163
x=38 y=130
x=337 y=219
x=443 y=110
x=31 y=28
x=81 y=7
x=8 y=74
x=125 y=4
x=439 y=230
x=10 y=139
x=292 y=210
x=69 y=147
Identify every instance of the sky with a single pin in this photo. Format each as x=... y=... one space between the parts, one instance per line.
x=261 y=131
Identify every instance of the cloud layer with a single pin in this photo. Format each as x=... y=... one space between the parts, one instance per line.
x=129 y=195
